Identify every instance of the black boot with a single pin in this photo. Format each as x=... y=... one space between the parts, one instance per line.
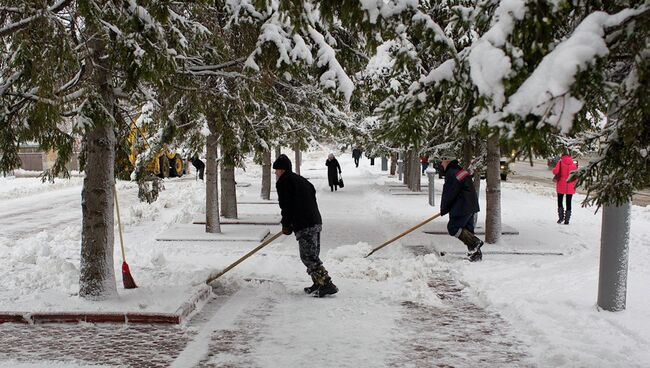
x=473 y=244
x=324 y=282
x=313 y=287
x=567 y=217
x=560 y=215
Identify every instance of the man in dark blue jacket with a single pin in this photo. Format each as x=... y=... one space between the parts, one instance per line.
x=460 y=201
x=297 y=199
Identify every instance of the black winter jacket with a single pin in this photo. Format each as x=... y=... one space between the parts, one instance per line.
x=458 y=194
x=333 y=171
x=297 y=198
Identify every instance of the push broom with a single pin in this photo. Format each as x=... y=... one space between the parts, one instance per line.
x=127 y=279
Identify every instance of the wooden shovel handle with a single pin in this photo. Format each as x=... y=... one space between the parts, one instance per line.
x=262 y=245
x=404 y=233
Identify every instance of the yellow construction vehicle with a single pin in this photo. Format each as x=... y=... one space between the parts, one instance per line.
x=166 y=164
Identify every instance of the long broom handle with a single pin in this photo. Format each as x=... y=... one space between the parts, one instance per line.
x=119 y=222
x=264 y=244
x=404 y=233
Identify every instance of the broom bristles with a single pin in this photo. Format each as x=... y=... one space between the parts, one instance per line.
x=129 y=283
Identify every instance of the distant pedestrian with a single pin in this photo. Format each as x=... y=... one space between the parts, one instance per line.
x=199 y=165
x=333 y=171
x=356 y=155
x=424 y=160
x=460 y=201
x=563 y=169
x=299 y=210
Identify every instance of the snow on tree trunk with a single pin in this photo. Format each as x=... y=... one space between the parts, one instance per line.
x=228 y=192
x=97 y=275
x=266 y=175
x=393 y=163
x=493 y=192
x=212 y=223
x=614 y=253
x=296 y=161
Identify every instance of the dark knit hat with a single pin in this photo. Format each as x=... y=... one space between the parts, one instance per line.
x=282 y=163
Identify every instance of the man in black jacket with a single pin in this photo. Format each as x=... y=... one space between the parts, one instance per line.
x=297 y=198
x=460 y=201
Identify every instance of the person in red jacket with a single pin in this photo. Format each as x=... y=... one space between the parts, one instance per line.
x=563 y=169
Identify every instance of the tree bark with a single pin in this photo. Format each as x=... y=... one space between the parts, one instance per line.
x=493 y=192
x=278 y=151
x=415 y=171
x=297 y=159
x=228 y=192
x=393 y=163
x=97 y=275
x=212 y=222
x=266 y=175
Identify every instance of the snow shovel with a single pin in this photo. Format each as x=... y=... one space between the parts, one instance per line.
x=404 y=233
x=262 y=245
x=127 y=279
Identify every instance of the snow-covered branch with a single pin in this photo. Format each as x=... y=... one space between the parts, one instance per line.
x=18 y=25
x=548 y=87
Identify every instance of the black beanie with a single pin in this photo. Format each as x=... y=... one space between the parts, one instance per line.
x=282 y=163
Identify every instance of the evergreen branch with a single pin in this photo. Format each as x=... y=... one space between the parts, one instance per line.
x=73 y=82
x=11 y=80
x=23 y=23
x=201 y=68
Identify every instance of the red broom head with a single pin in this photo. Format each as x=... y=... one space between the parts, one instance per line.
x=129 y=283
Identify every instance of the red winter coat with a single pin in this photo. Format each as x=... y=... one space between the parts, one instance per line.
x=565 y=166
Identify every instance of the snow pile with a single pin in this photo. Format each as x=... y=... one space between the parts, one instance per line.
x=401 y=275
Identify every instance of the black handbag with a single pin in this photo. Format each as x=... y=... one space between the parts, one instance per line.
x=341 y=181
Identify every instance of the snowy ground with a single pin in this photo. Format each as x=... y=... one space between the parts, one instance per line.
x=403 y=293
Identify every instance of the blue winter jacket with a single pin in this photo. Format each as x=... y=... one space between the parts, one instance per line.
x=458 y=194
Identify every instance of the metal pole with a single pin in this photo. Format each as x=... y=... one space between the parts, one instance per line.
x=614 y=239
x=384 y=164
x=432 y=190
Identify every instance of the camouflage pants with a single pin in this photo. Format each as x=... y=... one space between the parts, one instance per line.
x=309 y=245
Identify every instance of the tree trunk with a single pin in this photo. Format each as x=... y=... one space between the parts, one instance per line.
x=228 y=192
x=96 y=271
x=405 y=164
x=614 y=254
x=393 y=163
x=266 y=175
x=493 y=192
x=415 y=171
x=278 y=151
x=212 y=223
x=297 y=159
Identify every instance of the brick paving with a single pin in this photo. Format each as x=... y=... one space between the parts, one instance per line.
x=108 y=344
x=458 y=334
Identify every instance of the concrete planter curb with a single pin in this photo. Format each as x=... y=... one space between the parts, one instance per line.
x=178 y=317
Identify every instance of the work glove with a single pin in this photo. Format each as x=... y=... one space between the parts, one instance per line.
x=286 y=231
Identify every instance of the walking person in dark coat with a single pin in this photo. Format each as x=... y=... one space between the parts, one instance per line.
x=332 y=175
x=199 y=165
x=356 y=155
x=297 y=199
x=460 y=201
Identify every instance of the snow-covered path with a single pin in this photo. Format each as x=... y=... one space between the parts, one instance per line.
x=402 y=307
